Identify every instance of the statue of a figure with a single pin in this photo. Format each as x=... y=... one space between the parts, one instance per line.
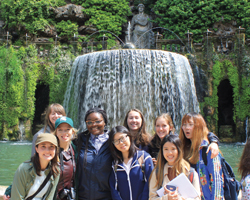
x=139 y=26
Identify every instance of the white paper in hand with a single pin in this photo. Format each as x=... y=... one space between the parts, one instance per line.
x=185 y=187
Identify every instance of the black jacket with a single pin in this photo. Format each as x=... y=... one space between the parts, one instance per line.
x=92 y=179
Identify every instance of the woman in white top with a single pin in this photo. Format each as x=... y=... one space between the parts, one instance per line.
x=170 y=164
x=31 y=174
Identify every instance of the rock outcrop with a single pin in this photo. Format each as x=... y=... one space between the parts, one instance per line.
x=70 y=12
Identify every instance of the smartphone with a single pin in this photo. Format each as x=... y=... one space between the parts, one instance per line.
x=171 y=188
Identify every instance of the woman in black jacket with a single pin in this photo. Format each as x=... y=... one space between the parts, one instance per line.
x=94 y=158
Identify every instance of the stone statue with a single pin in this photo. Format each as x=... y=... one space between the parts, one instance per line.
x=139 y=26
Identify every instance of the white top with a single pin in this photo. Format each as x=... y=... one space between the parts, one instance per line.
x=245 y=188
x=38 y=181
x=128 y=165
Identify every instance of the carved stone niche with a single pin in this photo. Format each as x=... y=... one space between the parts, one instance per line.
x=225 y=29
x=71 y=12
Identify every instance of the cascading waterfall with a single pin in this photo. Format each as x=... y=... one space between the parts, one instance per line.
x=117 y=80
x=22 y=130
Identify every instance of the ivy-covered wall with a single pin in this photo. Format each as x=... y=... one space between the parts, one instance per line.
x=235 y=68
x=20 y=72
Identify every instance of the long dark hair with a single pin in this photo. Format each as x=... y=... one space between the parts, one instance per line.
x=53 y=163
x=142 y=137
x=244 y=165
x=117 y=155
x=180 y=164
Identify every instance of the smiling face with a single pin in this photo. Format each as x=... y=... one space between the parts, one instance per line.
x=95 y=123
x=122 y=142
x=134 y=121
x=188 y=128
x=162 y=127
x=170 y=153
x=64 y=133
x=46 y=151
x=53 y=116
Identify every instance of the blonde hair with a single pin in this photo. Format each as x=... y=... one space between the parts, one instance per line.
x=168 y=119
x=180 y=165
x=74 y=135
x=156 y=141
x=200 y=132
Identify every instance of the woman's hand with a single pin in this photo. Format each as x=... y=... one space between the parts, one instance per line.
x=214 y=148
x=154 y=161
x=172 y=195
x=6 y=197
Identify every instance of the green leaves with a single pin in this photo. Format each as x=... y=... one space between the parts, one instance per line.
x=197 y=16
x=32 y=15
x=107 y=14
x=66 y=28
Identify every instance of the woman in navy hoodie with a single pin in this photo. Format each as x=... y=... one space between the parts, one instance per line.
x=131 y=167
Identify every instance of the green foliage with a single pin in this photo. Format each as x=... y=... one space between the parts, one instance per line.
x=106 y=14
x=198 y=16
x=220 y=71
x=66 y=28
x=20 y=71
x=245 y=94
x=11 y=88
x=33 y=15
x=59 y=63
x=31 y=74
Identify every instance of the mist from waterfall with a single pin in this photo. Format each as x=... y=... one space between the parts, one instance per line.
x=152 y=81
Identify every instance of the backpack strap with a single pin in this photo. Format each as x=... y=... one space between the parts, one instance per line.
x=141 y=161
x=204 y=155
x=41 y=186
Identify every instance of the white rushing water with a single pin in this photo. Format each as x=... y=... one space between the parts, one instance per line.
x=152 y=81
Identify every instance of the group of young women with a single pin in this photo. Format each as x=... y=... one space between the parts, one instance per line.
x=123 y=163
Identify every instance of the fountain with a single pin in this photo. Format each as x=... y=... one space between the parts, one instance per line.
x=153 y=81
x=22 y=130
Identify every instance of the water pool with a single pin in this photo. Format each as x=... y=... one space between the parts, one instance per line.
x=12 y=154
